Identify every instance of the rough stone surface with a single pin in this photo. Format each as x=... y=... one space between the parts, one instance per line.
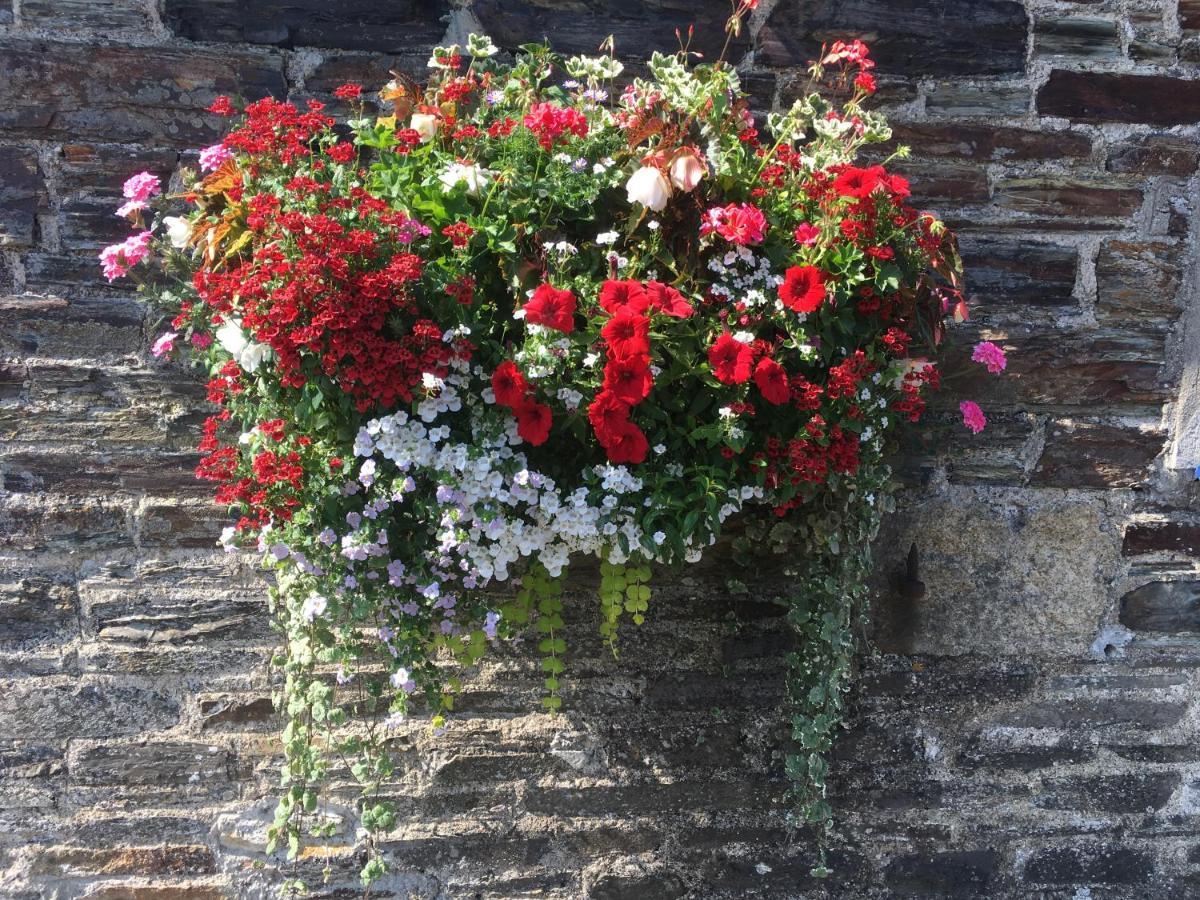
x=1029 y=726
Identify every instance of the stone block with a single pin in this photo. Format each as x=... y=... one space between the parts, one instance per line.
x=1128 y=793
x=1162 y=537
x=956 y=873
x=160 y=764
x=157 y=95
x=989 y=143
x=21 y=195
x=1088 y=455
x=1076 y=37
x=347 y=25
x=1162 y=606
x=1154 y=154
x=1137 y=284
x=59 y=708
x=974 y=37
x=988 y=99
x=1068 y=197
x=147 y=862
x=36 y=610
x=53 y=327
x=99 y=17
x=1105 y=97
x=1008 y=274
x=1089 y=864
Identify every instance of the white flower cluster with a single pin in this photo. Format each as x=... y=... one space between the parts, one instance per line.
x=744 y=277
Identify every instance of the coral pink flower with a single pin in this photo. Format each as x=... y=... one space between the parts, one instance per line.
x=991 y=356
x=738 y=223
x=972 y=415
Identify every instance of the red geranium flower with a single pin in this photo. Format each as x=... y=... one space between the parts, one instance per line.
x=730 y=359
x=667 y=300
x=627 y=445
x=857 y=182
x=623 y=295
x=551 y=307
x=348 y=92
x=533 y=421
x=803 y=288
x=629 y=378
x=628 y=334
x=772 y=380
x=508 y=384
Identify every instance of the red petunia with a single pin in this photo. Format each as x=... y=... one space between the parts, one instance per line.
x=607 y=413
x=730 y=359
x=857 y=182
x=629 y=378
x=772 y=381
x=508 y=384
x=533 y=421
x=616 y=296
x=627 y=334
x=667 y=300
x=627 y=445
x=551 y=307
x=803 y=288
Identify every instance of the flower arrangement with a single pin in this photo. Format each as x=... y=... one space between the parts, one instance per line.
x=533 y=311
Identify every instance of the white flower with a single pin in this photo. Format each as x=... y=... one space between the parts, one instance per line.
x=686 y=171
x=424 y=124
x=314 y=605
x=178 y=231
x=472 y=175
x=248 y=354
x=606 y=238
x=649 y=187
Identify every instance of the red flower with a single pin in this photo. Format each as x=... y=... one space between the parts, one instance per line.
x=341 y=152
x=730 y=359
x=803 y=288
x=607 y=414
x=533 y=421
x=508 y=384
x=667 y=300
x=628 y=334
x=772 y=380
x=550 y=123
x=629 y=378
x=628 y=444
x=856 y=182
x=552 y=308
x=623 y=295
x=222 y=107
x=459 y=234
x=348 y=92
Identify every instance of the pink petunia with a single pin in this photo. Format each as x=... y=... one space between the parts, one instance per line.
x=991 y=356
x=141 y=187
x=165 y=344
x=212 y=157
x=972 y=415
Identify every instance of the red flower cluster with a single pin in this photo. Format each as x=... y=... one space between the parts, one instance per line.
x=550 y=123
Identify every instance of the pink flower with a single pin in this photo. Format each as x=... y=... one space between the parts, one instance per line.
x=212 y=157
x=165 y=344
x=806 y=234
x=972 y=415
x=141 y=187
x=130 y=206
x=686 y=171
x=201 y=340
x=118 y=259
x=738 y=223
x=991 y=356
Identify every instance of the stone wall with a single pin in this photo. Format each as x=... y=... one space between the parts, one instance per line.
x=1028 y=727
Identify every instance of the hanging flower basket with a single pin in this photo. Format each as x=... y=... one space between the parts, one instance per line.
x=531 y=312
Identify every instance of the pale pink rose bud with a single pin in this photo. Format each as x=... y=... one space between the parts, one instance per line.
x=687 y=170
